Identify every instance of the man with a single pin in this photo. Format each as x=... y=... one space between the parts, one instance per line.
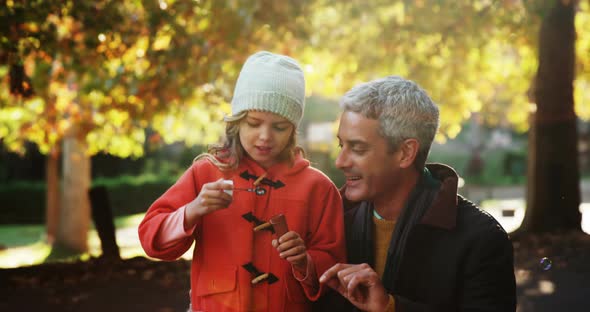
x=413 y=243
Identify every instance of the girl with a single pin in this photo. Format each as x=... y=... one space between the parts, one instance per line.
x=225 y=200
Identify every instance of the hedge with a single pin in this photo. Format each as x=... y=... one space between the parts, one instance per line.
x=24 y=203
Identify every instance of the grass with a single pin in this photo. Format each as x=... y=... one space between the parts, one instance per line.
x=24 y=244
x=19 y=235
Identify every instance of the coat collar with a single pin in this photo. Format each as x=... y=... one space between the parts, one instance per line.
x=442 y=212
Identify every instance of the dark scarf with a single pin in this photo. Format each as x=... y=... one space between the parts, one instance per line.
x=361 y=241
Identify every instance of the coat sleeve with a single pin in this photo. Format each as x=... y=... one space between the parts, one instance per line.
x=325 y=241
x=488 y=282
x=155 y=219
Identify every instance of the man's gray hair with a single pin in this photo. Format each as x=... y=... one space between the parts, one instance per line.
x=403 y=109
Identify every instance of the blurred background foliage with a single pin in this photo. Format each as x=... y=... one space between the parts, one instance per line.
x=146 y=83
x=115 y=68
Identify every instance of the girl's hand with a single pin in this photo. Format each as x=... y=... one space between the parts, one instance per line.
x=211 y=198
x=291 y=247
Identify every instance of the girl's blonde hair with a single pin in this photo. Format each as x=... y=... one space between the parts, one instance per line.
x=227 y=154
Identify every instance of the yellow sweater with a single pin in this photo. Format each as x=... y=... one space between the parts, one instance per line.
x=382 y=234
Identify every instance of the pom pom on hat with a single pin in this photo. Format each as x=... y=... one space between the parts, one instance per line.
x=273 y=83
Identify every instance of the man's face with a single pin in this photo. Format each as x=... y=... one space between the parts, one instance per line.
x=370 y=168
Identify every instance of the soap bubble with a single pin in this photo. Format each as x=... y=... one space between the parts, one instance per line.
x=545 y=264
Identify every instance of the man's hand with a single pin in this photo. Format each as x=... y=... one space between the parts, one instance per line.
x=359 y=284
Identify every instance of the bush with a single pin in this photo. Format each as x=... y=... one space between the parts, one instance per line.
x=498 y=167
x=24 y=202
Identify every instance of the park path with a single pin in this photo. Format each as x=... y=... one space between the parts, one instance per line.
x=479 y=193
x=507 y=203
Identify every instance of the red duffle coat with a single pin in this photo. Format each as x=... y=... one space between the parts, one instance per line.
x=225 y=240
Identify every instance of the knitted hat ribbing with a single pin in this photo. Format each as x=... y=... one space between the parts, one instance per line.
x=272 y=83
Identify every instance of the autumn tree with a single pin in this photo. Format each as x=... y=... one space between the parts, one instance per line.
x=79 y=77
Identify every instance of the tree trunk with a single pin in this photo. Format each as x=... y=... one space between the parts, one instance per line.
x=102 y=214
x=52 y=203
x=75 y=210
x=553 y=194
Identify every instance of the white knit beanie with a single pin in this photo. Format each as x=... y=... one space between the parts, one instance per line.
x=271 y=83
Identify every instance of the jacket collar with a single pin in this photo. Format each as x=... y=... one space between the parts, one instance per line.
x=442 y=212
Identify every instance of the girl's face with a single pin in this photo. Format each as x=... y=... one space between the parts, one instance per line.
x=264 y=136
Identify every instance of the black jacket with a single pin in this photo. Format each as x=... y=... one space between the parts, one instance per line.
x=445 y=254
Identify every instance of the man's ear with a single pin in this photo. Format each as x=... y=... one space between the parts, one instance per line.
x=409 y=150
